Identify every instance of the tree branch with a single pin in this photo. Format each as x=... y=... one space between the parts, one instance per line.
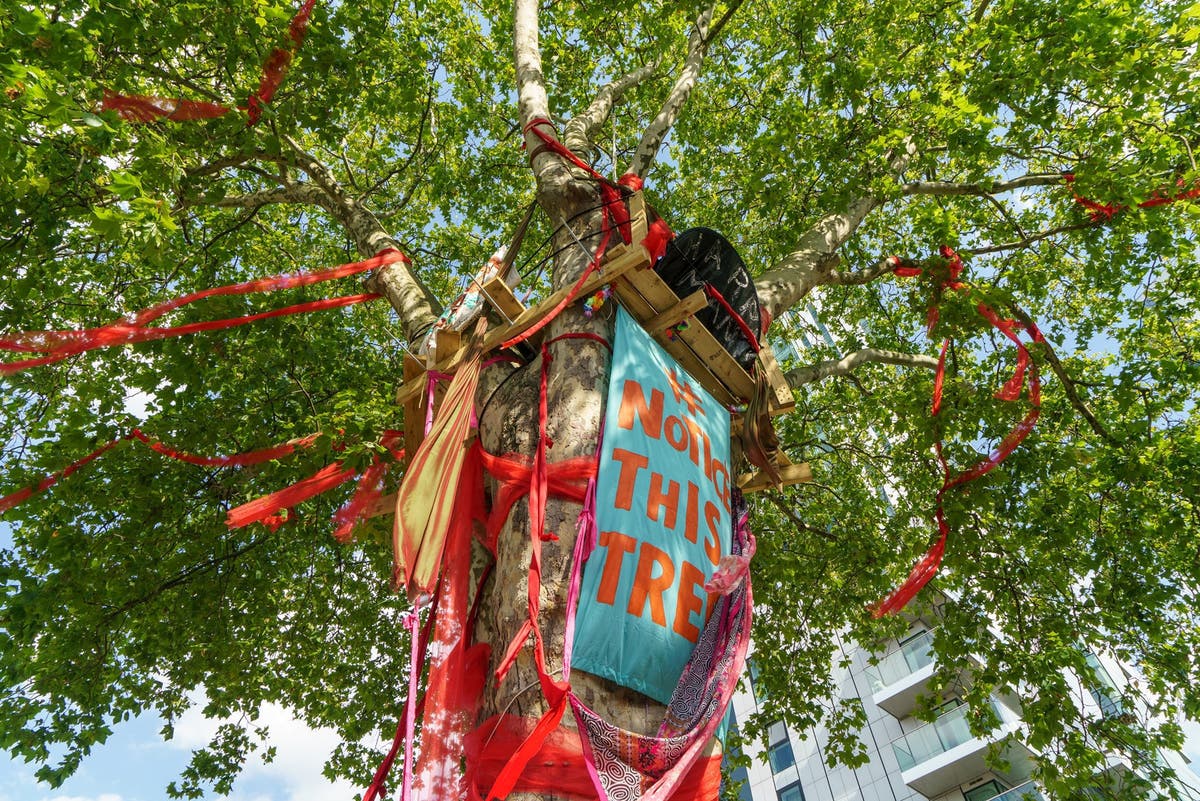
x=812 y=263
x=532 y=102
x=660 y=126
x=214 y=167
x=950 y=188
x=845 y=365
x=415 y=305
x=1032 y=238
x=580 y=133
x=1068 y=383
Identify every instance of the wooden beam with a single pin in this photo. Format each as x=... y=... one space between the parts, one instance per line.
x=642 y=309
x=790 y=474
x=502 y=298
x=638 y=223
x=629 y=259
x=781 y=399
x=677 y=314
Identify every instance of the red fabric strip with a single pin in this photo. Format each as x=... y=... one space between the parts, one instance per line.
x=278 y=62
x=120 y=334
x=148 y=108
x=557 y=767
x=368 y=491
x=24 y=494
x=31 y=341
x=1100 y=212
x=715 y=294
x=237 y=460
x=267 y=508
x=565 y=302
x=555 y=691
x=377 y=789
x=927 y=565
x=458 y=668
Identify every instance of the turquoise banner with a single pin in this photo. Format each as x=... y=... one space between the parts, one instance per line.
x=663 y=521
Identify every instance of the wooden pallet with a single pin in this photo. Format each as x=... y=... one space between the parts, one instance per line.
x=668 y=318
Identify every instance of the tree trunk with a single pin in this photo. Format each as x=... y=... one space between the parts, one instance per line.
x=577 y=380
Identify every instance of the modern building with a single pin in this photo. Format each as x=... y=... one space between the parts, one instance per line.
x=911 y=759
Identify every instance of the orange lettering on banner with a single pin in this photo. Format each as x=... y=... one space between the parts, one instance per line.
x=633 y=401
x=648 y=587
x=712 y=545
x=657 y=500
x=677 y=435
x=693 y=500
x=618 y=545
x=631 y=463
x=690 y=577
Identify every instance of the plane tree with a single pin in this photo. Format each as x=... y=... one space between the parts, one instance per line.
x=1047 y=148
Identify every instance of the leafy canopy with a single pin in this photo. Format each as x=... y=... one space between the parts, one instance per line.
x=123 y=591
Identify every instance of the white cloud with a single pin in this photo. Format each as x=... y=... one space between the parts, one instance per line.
x=101 y=797
x=300 y=753
x=136 y=403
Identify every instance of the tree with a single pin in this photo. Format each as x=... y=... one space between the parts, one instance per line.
x=821 y=138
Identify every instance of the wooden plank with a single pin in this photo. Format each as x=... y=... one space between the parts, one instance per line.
x=781 y=399
x=718 y=361
x=642 y=309
x=502 y=298
x=638 y=222
x=382 y=506
x=790 y=474
x=630 y=259
x=677 y=314
x=445 y=343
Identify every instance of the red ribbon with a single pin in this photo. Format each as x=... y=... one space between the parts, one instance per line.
x=147 y=108
x=1106 y=211
x=22 y=495
x=748 y=334
x=556 y=692
x=928 y=564
x=272 y=509
x=558 y=767
x=368 y=491
x=58 y=345
x=236 y=460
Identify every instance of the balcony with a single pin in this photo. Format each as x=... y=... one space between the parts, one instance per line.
x=902 y=675
x=1025 y=792
x=944 y=754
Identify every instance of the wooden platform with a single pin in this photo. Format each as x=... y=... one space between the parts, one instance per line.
x=667 y=317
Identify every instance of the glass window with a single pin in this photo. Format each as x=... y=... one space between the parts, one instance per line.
x=780 y=756
x=791 y=793
x=985 y=791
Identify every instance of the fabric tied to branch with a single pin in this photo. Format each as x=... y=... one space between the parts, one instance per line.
x=428 y=496
x=59 y=345
x=1100 y=212
x=1024 y=371
x=236 y=460
x=148 y=108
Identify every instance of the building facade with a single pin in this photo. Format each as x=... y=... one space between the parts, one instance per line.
x=911 y=759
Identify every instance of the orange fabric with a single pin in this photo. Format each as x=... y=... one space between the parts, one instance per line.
x=268 y=508
x=427 y=499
